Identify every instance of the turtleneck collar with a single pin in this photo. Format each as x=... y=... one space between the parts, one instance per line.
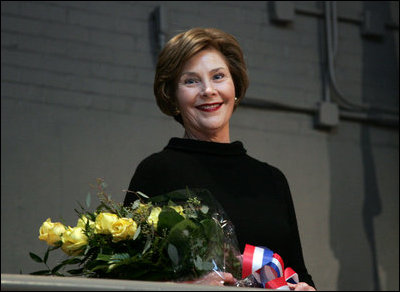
x=189 y=145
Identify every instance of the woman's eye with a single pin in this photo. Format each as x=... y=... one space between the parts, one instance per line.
x=219 y=76
x=190 y=81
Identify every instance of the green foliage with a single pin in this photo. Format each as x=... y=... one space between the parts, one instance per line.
x=184 y=245
x=168 y=218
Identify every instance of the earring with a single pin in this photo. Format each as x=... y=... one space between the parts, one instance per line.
x=236 y=99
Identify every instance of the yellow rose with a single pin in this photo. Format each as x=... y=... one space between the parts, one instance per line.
x=82 y=222
x=104 y=221
x=74 y=240
x=178 y=209
x=123 y=228
x=153 y=217
x=51 y=232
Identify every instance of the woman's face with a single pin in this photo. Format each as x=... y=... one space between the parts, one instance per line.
x=206 y=95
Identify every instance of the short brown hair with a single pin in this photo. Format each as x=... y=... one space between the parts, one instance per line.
x=181 y=48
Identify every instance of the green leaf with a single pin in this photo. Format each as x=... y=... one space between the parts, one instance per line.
x=147 y=245
x=137 y=233
x=202 y=264
x=36 y=258
x=87 y=249
x=198 y=263
x=143 y=195
x=56 y=268
x=111 y=267
x=168 y=218
x=41 y=272
x=76 y=271
x=207 y=266
x=135 y=204
x=99 y=267
x=103 y=257
x=119 y=257
x=181 y=234
x=173 y=254
x=204 y=209
x=171 y=203
x=88 y=200
x=176 y=196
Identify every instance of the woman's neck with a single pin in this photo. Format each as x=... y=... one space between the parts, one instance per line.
x=218 y=137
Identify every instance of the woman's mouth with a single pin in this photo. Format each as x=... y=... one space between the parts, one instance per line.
x=209 y=107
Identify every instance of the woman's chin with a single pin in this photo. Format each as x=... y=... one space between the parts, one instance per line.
x=212 y=126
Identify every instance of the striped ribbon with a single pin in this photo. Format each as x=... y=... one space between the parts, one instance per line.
x=267 y=268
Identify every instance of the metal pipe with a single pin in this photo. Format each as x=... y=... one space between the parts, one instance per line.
x=349 y=111
x=334 y=29
x=332 y=32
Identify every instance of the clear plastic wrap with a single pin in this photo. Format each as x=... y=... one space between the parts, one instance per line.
x=211 y=246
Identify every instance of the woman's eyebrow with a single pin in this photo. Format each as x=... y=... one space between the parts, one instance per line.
x=194 y=73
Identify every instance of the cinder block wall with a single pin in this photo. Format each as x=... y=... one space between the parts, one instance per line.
x=77 y=103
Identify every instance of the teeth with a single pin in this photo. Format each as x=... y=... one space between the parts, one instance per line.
x=209 y=106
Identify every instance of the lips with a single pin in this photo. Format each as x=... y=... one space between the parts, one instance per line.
x=209 y=107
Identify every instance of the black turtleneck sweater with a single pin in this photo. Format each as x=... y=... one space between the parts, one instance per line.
x=254 y=194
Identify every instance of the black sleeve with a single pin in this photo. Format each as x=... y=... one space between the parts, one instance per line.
x=294 y=256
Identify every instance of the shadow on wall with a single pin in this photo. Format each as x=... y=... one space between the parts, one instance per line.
x=355 y=197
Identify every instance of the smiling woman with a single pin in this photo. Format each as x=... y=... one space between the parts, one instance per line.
x=178 y=60
x=200 y=79
x=206 y=96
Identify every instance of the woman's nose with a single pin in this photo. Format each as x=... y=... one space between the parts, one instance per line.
x=208 y=89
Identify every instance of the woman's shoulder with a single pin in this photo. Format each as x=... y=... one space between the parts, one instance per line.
x=155 y=159
x=264 y=166
x=160 y=160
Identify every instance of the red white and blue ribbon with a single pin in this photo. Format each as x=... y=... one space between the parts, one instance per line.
x=267 y=268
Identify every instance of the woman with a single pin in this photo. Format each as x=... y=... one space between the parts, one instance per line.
x=200 y=79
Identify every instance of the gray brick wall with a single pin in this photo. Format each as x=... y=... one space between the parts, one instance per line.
x=77 y=103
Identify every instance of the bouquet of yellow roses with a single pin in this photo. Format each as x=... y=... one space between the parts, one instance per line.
x=180 y=235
